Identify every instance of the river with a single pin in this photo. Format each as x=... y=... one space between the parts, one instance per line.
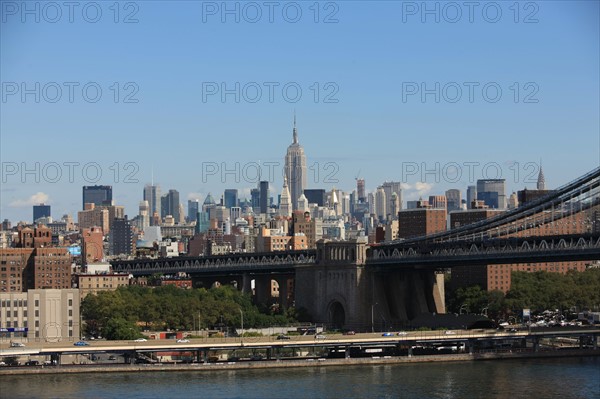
x=539 y=378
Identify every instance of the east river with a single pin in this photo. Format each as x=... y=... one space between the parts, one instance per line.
x=531 y=378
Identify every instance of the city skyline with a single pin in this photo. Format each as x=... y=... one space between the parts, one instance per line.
x=409 y=192
x=374 y=100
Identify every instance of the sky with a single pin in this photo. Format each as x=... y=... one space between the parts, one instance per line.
x=197 y=96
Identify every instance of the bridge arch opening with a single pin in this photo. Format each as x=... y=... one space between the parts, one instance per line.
x=337 y=315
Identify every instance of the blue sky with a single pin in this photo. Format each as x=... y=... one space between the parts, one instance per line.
x=370 y=118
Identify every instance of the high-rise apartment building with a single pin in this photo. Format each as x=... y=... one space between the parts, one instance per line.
x=92 y=216
x=121 y=237
x=97 y=195
x=295 y=168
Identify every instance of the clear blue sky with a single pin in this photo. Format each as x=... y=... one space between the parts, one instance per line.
x=371 y=61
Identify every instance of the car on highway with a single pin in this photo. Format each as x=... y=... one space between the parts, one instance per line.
x=17 y=345
x=283 y=337
x=112 y=357
x=387 y=334
x=81 y=343
x=320 y=336
x=256 y=357
x=449 y=332
x=512 y=330
x=183 y=341
x=32 y=363
x=140 y=340
x=349 y=332
x=2 y=364
x=402 y=333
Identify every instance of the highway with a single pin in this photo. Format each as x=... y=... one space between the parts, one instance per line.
x=101 y=346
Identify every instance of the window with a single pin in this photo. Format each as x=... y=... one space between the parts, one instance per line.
x=37 y=324
x=70 y=302
x=37 y=313
x=37 y=303
x=70 y=312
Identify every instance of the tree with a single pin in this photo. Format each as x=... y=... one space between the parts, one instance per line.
x=120 y=329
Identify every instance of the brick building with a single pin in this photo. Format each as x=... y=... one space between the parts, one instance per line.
x=498 y=277
x=420 y=222
x=95 y=283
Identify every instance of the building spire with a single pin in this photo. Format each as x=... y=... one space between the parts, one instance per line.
x=295 y=130
x=541 y=181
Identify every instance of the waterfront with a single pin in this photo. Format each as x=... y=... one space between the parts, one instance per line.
x=544 y=378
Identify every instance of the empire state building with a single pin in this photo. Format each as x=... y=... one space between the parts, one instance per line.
x=295 y=169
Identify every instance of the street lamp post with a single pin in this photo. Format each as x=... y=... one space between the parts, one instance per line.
x=372 y=317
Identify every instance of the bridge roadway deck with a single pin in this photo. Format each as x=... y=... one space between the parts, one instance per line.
x=366 y=339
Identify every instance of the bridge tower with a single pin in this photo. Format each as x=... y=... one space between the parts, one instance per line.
x=342 y=291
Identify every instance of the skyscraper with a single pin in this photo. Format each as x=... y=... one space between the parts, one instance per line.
x=121 y=237
x=390 y=187
x=541 y=181
x=380 y=203
x=263 y=187
x=315 y=196
x=453 y=198
x=170 y=205
x=255 y=199
x=144 y=212
x=193 y=208
x=295 y=168
x=492 y=192
x=152 y=195
x=471 y=196
x=284 y=201
x=360 y=190
x=230 y=198
x=97 y=195
x=41 y=211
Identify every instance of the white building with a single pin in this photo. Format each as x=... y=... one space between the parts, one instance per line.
x=48 y=314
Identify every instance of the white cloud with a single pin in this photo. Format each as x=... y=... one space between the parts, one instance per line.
x=423 y=188
x=35 y=199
